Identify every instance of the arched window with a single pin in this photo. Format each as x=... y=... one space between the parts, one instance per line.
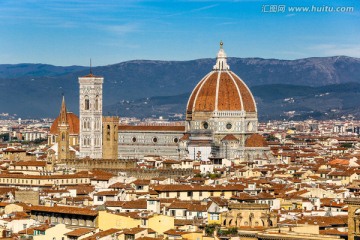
x=108 y=133
x=250 y=126
x=97 y=102
x=62 y=136
x=87 y=103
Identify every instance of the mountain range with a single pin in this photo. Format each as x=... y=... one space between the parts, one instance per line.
x=144 y=88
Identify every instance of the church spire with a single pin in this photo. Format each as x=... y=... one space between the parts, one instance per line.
x=63 y=139
x=63 y=112
x=221 y=63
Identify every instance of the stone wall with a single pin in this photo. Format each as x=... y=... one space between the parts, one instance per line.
x=87 y=164
x=27 y=196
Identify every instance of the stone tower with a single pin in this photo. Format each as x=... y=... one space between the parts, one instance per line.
x=91 y=116
x=110 y=137
x=63 y=138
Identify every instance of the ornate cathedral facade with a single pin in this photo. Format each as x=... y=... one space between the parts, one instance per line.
x=221 y=122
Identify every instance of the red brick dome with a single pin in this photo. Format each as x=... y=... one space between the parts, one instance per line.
x=221 y=90
x=74 y=124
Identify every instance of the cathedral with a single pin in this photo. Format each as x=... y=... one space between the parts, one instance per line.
x=221 y=122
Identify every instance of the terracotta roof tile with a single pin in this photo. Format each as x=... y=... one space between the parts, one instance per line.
x=65 y=209
x=134 y=230
x=114 y=203
x=135 y=204
x=102 y=234
x=180 y=187
x=255 y=140
x=229 y=137
x=30 y=163
x=106 y=193
x=79 y=232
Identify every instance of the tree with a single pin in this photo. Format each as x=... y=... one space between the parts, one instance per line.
x=5 y=137
x=347 y=145
x=209 y=229
x=271 y=138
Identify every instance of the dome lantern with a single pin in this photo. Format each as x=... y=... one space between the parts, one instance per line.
x=221 y=63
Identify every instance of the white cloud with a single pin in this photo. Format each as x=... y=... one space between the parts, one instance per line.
x=122 y=29
x=204 y=8
x=191 y=10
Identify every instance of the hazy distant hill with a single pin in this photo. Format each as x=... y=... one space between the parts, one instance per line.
x=35 y=70
x=325 y=102
x=276 y=101
x=35 y=89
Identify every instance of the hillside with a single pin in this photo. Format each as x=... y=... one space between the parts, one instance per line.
x=34 y=90
x=276 y=101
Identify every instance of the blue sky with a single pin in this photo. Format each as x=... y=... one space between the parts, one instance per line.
x=61 y=32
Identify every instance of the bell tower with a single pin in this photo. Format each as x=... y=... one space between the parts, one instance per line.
x=91 y=116
x=63 y=138
x=110 y=137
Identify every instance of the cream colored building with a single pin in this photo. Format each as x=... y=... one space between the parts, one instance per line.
x=159 y=223
x=249 y=215
x=197 y=192
x=35 y=181
x=56 y=232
